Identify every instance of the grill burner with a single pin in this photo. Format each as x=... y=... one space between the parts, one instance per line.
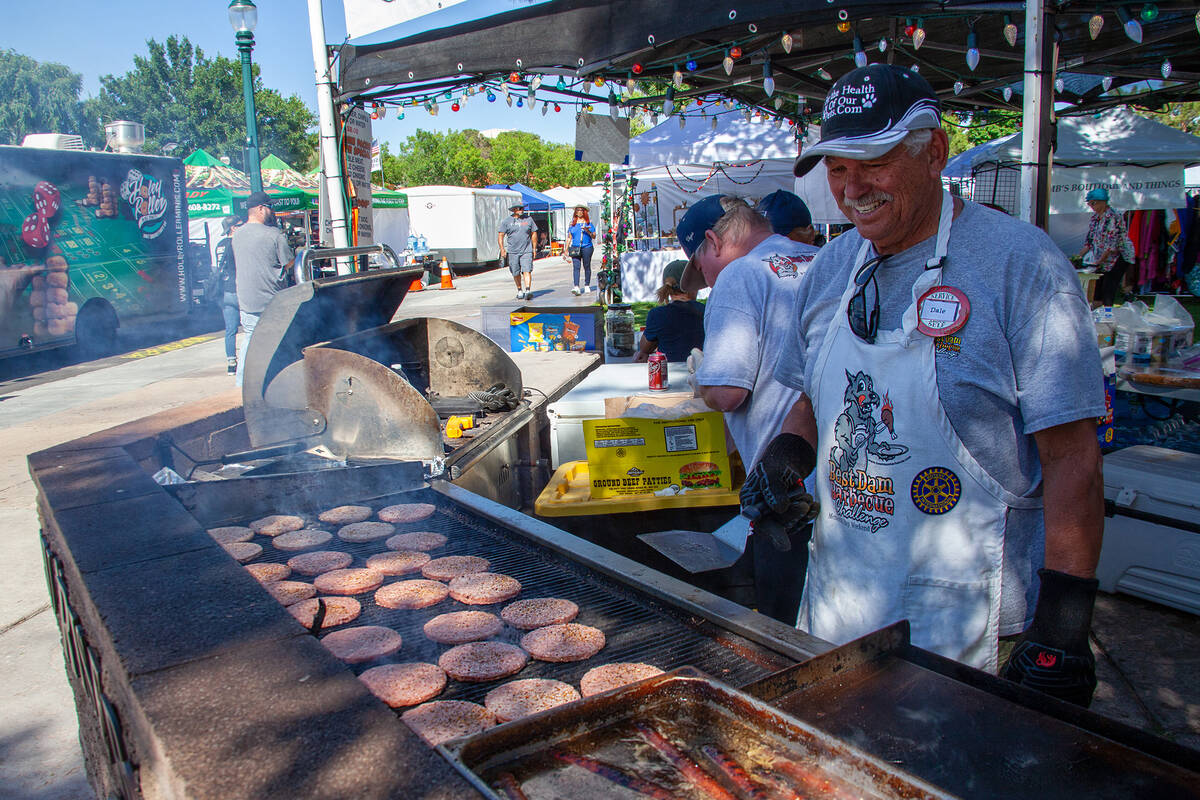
x=636 y=629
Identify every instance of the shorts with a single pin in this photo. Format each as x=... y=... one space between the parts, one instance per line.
x=520 y=262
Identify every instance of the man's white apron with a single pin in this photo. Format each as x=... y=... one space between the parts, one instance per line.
x=911 y=527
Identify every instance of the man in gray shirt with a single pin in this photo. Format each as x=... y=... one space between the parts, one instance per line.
x=950 y=359
x=263 y=256
x=518 y=242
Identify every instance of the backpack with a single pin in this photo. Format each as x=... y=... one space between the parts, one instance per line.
x=214 y=286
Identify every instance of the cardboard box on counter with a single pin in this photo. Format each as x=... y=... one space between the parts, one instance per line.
x=634 y=455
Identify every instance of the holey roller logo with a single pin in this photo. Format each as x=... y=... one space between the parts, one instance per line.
x=145 y=198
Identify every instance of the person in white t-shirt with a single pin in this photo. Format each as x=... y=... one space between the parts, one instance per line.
x=754 y=275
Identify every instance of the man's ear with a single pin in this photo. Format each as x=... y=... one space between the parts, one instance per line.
x=938 y=150
x=714 y=241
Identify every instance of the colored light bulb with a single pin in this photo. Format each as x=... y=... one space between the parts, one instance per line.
x=637 y=69
x=562 y=84
x=768 y=79
x=1007 y=93
x=1166 y=68
x=958 y=87
x=824 y=75
x=491 y=98
x=514 y=77
x=972 y=50
x=786 y=42
x=1133 y=28
x=735 y=51
x=520 y=102
x=1149 y=12
x=860 y=58
x=918 y=37
x=1010 y=31
x=455 y=106
x=1106 y=82
x=883 y=45
x=843 y=27
x=727 y=63
x=691 y=65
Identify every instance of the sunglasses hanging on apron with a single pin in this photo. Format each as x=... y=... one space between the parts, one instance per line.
x=911 y=526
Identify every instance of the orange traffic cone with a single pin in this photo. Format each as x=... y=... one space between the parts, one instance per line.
x=447 y=282
x=416 y=285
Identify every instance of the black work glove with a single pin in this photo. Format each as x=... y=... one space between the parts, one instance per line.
x=773 y=496
x=1053 y=655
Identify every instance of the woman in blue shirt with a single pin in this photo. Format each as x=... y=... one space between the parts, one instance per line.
x=582 y=233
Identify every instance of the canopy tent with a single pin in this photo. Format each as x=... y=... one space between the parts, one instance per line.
x=606 y=38
x=278 y=172
x=740 y=158
x=590 y=197
x=1141 y=162
x=216 y=190
x=532 y=198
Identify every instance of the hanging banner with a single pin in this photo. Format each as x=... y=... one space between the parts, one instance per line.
x=601 y=139
x=356 y=144
x=1129 y=188
x=368 y=16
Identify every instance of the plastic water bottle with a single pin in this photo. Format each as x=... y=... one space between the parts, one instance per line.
x=412 y=243
x=422 y=245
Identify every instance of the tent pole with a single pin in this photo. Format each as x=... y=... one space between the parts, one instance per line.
x=1037 y=108
x=331 y=171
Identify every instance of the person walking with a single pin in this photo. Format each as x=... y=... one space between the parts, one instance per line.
x=951 y=388
x=224 y=291
x=580 y=248
x=1109 y=243
x=518 y=239
x=676 y=324
x=263 y=257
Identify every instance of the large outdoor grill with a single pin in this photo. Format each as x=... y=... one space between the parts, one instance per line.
x=190 y=680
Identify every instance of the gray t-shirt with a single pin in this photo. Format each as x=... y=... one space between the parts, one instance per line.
x=1025 y=361
x=263 y=256
x=518 y=233
x=746 y=318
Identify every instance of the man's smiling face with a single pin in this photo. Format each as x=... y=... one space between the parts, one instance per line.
x=892 y=200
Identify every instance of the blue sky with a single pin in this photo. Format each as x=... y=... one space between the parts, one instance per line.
x=97 y=38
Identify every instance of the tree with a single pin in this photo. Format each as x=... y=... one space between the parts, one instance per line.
x=1183 y=116
x=468 y=158
x=184 y=97
x=39 y=98
x=968 y=129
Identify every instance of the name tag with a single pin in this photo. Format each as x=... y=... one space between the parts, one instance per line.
x=942 y=310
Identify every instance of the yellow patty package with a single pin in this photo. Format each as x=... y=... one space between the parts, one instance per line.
x=638 y=456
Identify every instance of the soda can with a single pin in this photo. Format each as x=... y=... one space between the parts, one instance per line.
x=657 y=363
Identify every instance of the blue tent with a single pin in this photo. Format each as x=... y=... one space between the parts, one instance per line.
x=532 y=198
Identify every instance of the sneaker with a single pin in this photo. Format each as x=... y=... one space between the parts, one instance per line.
x=231 y=366
x=586 y=289
x=520 y=294
x=576 y=291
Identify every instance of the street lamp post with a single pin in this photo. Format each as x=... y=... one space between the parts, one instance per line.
x=243 y=16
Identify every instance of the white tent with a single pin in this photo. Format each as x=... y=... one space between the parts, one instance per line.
x=742 y=158
x=588 y=196
x=1141 y=162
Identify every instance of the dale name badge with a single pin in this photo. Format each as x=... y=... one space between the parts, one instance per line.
x=942 y=310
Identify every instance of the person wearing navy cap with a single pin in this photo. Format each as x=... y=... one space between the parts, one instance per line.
x=754 y=275
x=951 y=389
x=789 y=216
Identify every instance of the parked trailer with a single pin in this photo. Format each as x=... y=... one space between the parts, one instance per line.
x=460 y=223
x=88 y=241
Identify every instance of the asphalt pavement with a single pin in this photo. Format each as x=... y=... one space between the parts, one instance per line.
x=1148 y=656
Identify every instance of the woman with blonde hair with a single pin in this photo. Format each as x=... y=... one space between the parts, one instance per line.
x=579 y=248
x=676 y=325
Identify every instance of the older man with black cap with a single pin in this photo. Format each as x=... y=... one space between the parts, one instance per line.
x=263 y=256
x=518 y=243
x=754 y=275
x=952 y=385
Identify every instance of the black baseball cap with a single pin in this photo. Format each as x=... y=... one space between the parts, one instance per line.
x=259 y=199
x=869 y=111
x=785 y=211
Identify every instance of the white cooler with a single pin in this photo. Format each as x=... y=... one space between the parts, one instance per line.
x=586 y=401
x=1156 y=560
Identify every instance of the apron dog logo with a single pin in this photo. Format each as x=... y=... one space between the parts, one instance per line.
x=862 y=496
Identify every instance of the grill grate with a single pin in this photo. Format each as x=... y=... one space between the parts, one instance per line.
x=636 y=627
